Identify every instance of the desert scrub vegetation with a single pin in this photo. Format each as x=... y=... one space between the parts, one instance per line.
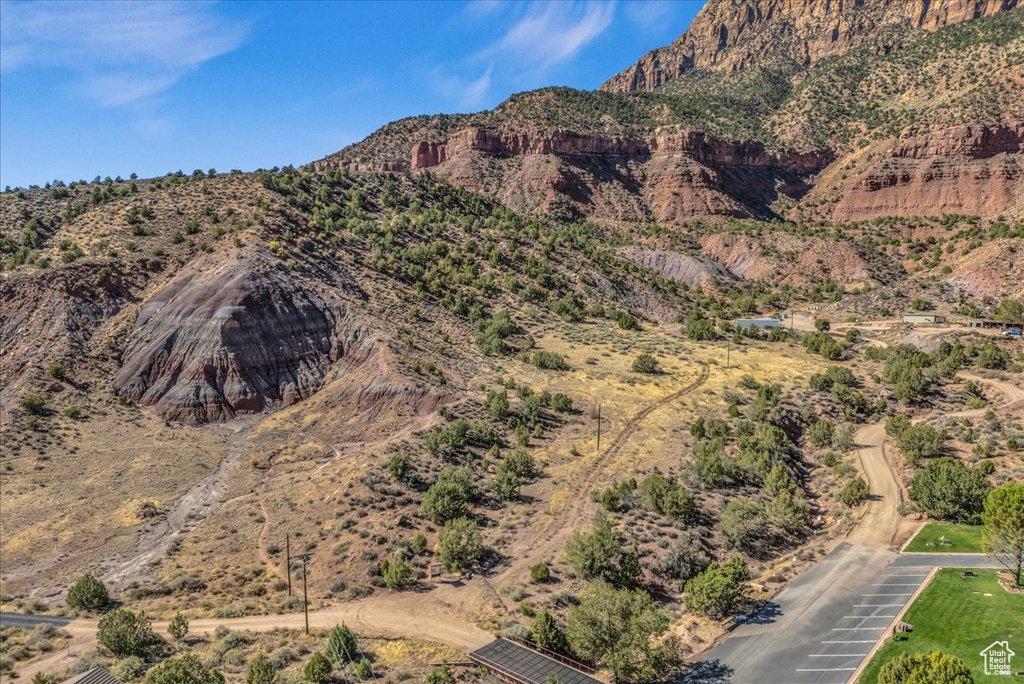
x=18 y=645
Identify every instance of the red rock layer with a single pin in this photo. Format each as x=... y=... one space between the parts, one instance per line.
x=972 y=170
x=675 y=174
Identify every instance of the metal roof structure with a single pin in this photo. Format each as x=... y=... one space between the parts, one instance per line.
x=511 y=661
x=96 y=675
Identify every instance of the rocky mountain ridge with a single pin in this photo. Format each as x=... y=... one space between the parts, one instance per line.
x=732 y=35
x=908 y=111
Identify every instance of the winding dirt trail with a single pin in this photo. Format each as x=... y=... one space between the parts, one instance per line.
x=584 y=484
x=882 y=524
x=548 y=540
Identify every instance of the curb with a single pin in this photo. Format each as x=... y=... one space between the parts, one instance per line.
x=896 y=620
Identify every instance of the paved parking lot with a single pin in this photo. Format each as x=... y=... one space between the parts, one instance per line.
x=824 y=624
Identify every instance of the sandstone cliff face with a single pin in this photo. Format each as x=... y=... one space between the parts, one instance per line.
x=235 y=337
x=975 y=170
x=522 y=143
x=675 y=174
x=729 y=35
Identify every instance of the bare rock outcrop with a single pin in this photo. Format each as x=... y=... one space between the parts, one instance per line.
x=694 y=271
x=784 y=258
x=236 y=336
x=976 y=170
x=728 y=35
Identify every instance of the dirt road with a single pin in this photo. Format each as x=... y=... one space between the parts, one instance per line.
x=540 y=543
x=881 y=524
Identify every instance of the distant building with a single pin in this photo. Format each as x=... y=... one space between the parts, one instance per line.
x=1005 y=325
x=757 y=323
x=922 y=317
x=96 y=675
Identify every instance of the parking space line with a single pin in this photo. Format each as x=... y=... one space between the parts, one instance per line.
x=857 y=629
x=887 y=584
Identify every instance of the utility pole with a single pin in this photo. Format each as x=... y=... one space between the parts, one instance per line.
x=305 y=596
x=599 y=428
x=728 y=353
x=288 y=560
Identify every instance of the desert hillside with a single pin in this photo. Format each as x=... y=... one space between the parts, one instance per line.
x=512 y=347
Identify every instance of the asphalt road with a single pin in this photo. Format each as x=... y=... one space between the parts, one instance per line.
x=30 y=621
x=820 y=628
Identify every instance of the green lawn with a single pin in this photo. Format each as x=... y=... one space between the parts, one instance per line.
x=961 y=617
x=965 y=538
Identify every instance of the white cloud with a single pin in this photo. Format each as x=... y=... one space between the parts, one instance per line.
x=651 y=15
x=468 y=93
x=118 y=53
x=482 y=9
x=551 y=32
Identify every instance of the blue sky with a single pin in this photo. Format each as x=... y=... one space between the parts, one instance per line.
x=111 y=88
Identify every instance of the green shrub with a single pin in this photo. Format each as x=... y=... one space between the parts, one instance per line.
x=187 y=669
x=918 y=442
x=460 y=546
x=342 y=647
x=927 y=668
x=821 y=433
x=497 y=403
x=646 y=363
x=125 y=633
x=397 y=574
x=666 y=496
x=521 y=463
x=540 y=573
x=546 y=633
x=262 y=670
x=947 y=489
x=440 y=675
x=598 y=553
x=448 y=498
x=88 y=593
x=177 y=628
x=718 y=591
x=546 y=360
x=129 y=669
x=855 y=492
x=56 y=371
x=364 y=671
x=318 y=669
x=33 y=404
x=399 y=466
